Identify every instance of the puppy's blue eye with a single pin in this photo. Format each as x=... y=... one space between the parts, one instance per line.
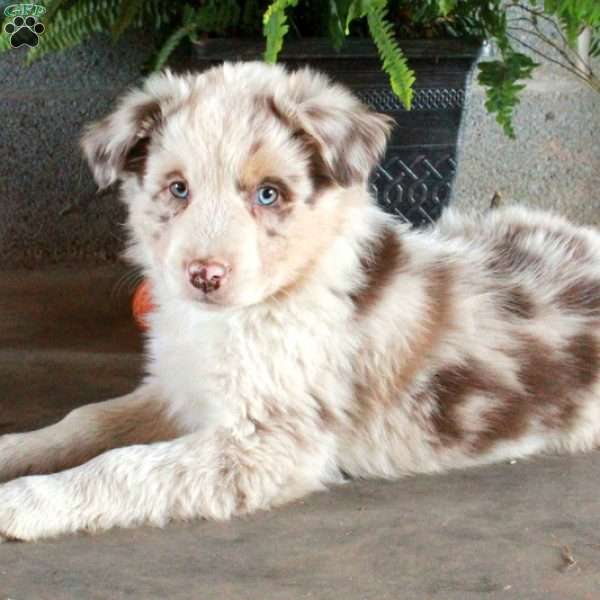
x=179 y=189
x=266 y=195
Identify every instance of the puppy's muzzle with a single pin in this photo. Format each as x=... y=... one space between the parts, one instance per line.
x=207 y=275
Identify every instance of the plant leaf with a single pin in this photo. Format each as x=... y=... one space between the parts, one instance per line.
x=51 y=9
x=394 y=62
x=129 y=10
x=169 y=46
x=359 y=9
x=335 y=25
x=446 y=6
x=500 y=78
x=275 y=27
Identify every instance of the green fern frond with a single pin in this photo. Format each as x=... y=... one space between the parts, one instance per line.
x=394 y=62
x=500 y=78
x=156 y=15
x=4 y=42
x=573 y=15
x=216 y=16
x=335 y=22
x=357 y=10
x=169 y=47
x=275 y=27
x=72 y=26
x=52 y=7
x=129 y=10
x=213 y=16
x=446 y=6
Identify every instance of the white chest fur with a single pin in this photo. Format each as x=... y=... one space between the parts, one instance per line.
x=217 y=367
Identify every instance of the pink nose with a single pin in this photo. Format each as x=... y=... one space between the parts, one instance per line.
x=207 y=275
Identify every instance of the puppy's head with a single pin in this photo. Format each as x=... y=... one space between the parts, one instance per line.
x=236 y=178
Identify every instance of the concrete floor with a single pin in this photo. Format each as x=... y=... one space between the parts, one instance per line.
x=498 y=532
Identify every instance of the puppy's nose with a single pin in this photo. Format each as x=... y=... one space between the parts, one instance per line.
x=207 y=275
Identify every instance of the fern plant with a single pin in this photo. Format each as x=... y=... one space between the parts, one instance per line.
x=492 y=20
x=70 y=22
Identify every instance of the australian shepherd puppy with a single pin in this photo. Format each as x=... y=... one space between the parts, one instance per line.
x=300 y=334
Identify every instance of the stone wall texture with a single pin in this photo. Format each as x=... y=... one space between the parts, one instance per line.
x=554 y=163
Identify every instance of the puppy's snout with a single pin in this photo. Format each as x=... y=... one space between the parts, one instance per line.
x=207 y=275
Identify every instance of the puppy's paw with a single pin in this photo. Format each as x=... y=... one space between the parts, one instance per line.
x=32 y=508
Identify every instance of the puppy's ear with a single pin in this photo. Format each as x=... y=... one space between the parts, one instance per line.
x=350 y=137
x=118 y=144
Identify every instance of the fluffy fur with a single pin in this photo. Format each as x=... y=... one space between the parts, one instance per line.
x=340 y=342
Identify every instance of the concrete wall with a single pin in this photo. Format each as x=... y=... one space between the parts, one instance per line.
x=555 y=161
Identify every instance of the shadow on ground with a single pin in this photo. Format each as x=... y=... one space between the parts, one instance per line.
x=522 y=531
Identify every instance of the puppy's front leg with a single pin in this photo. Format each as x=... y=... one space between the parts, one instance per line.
x=139 y=417
x=211 y=475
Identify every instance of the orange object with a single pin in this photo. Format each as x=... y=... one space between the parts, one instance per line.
x=141 y=304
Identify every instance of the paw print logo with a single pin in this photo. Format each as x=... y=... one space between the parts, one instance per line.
x=24 y=32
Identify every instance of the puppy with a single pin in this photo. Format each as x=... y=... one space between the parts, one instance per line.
x=299 y=332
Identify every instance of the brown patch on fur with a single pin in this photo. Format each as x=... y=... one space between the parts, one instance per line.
x=135 y=159
x=507 y=421
x=272 y=232
x=582 y=296
x=551 y=380
x=508 y=257
x=450 y=387
x=342 y=169
x=364 y=136
x=326 y=416
x=284 y=419
x=316 y=113
x=549 y=383
x=258 y=171
x=172 y=176
x=271 y=104
x=146 y=423
x=386 y=258
x=282 y=210
x=147 y=118
x=255 y=147
x=319 y=172
x=286 y=194
x=574 y=245
x=517 y=302
x=375 y=392
x=241 y=500
x=583 y=352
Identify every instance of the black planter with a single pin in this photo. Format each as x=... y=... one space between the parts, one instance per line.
x=414 y=180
